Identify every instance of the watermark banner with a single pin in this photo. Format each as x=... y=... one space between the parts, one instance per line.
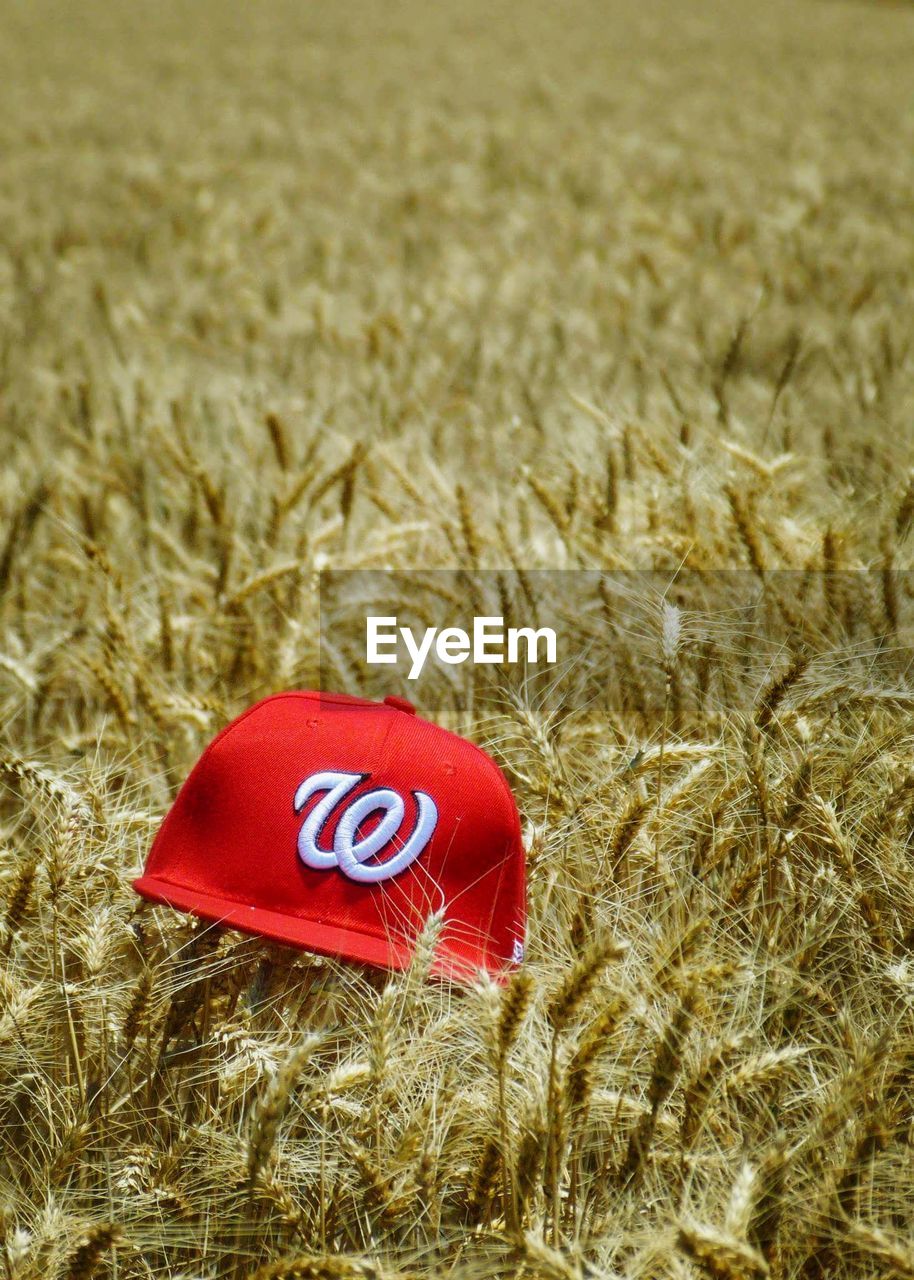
x=678 y=645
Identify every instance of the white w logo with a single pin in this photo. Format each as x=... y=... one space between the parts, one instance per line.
x=349 y=854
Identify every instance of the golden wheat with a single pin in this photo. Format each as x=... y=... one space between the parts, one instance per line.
x=611 y=288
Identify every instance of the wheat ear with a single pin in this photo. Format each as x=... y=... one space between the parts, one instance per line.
x=84 y=1260
x=273 y=1105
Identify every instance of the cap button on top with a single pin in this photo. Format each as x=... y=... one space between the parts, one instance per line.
x=401 y=704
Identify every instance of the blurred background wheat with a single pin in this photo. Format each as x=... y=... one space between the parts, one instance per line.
x=594 y=285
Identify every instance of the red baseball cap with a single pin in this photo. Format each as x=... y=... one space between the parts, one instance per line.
x=338 y=825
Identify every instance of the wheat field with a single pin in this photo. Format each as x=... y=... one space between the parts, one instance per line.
x=594 y=286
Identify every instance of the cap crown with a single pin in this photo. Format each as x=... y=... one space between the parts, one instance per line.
x=338 y=825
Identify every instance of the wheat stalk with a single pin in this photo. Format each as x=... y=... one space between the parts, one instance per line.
x=272 y=1106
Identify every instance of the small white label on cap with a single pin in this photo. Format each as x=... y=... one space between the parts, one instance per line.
x=517 y=954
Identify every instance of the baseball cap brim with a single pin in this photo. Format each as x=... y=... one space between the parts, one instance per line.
x=326 y=939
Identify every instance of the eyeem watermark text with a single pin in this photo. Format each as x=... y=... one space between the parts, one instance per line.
x=489 y=641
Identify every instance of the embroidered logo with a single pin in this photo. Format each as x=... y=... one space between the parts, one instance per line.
x=351 y=855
